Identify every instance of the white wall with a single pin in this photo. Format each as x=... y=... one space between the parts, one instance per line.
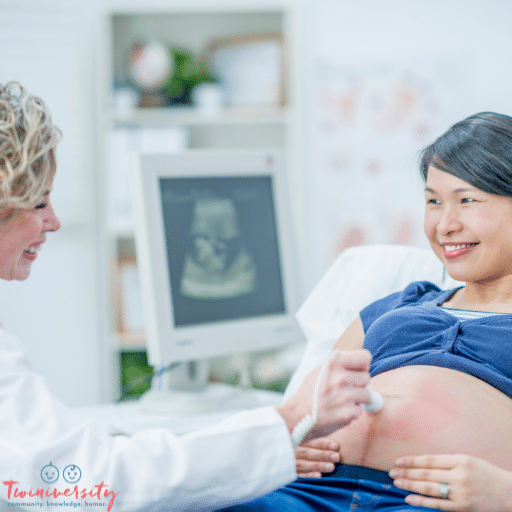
x=49 y=45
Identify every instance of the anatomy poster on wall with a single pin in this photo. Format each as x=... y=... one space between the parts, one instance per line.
x=369 y=124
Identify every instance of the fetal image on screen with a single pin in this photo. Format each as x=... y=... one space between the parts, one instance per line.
x=222 y=248
x=217 y=264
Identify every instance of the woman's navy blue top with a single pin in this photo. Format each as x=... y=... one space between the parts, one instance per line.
x=409 y=328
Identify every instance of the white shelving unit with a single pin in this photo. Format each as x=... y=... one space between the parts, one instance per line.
x=273 y=127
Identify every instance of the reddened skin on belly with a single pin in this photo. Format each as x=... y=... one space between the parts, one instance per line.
x=435 y=410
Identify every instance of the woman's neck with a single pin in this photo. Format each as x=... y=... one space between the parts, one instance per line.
x=495 y=296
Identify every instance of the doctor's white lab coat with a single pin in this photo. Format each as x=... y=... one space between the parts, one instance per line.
x=47 y=456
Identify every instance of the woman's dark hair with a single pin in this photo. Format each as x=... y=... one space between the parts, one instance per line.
x=478 y=150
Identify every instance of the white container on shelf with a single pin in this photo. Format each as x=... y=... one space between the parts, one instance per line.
x=208 y=98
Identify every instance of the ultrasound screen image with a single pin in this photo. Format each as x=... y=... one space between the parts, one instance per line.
x=222 y=248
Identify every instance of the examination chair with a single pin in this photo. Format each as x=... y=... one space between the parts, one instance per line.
x=358 y=277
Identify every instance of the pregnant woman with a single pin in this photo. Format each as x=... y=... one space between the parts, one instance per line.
x=441 y=359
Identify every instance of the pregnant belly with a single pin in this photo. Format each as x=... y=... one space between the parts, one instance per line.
x=430 y=410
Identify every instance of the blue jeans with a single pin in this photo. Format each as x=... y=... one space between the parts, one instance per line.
x=348 y=488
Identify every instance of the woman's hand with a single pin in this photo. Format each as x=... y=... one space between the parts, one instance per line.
x=316 y=457
x=472 y=484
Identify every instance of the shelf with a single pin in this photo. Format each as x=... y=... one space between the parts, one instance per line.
x=267 y=126
x=129 y=342
x=189 y=116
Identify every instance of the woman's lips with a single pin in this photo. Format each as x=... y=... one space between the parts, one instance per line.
x=30 y=252
x=30 y=255
x=453 y=251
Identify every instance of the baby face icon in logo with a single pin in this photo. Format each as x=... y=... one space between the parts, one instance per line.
x=50 y=474
x=72 y=474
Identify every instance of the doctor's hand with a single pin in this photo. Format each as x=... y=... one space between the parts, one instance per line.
x=471 y=484
x=342 y=391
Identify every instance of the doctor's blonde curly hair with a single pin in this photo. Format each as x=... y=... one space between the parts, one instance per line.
x=27 y=148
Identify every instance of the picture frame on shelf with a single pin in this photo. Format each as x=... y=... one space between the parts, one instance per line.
x=250 y=68
x=128 y=302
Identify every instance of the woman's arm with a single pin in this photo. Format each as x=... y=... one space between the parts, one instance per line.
x=318 y=456
x=474 y=485
x=352 y=338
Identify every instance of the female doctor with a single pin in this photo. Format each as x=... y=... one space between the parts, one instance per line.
x=48 y=457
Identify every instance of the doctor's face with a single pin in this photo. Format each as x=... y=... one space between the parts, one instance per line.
x=22 y=236
x=469 y=230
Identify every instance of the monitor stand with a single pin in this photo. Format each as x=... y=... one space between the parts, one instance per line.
x=186 y=390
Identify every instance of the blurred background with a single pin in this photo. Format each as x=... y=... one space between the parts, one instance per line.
x=350 y=90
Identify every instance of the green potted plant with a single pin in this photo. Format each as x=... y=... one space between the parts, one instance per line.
x=187 y=74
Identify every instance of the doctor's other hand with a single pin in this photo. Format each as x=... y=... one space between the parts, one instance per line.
x=341 y=392
x=473 y=485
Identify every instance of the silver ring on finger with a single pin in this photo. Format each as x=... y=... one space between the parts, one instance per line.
x=444 y=491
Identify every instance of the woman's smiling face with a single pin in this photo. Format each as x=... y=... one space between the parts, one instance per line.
x=22 y=236
x=468 y=229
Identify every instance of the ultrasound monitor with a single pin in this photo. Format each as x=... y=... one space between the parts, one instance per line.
x=218 y=267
